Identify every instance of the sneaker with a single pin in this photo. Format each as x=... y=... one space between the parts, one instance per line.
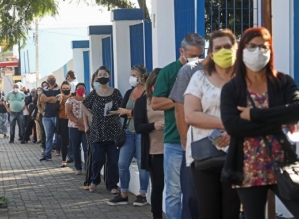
x=45 y=158
x=69 y=160
x=92 y=187
x=78 y=172
x=114 y=191
x=140 y=201
x=11 y=142
x=118 y=200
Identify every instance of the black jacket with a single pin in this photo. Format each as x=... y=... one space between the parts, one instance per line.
x=283 y=109
x=144 y=128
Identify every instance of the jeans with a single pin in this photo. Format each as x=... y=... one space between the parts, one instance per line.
x=78 y=139
x=254 y=201
x=49 y=126
x=57 y=142
x=70 y=154
x=101 y=150
x=43 y=133
x=127 y=151
x=189 y=202
x=173 y=155
x=16 y=117
x=157 y=178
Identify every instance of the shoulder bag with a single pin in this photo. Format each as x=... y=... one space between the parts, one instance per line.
x=287 y=175
x=121 y=138
x=206 y=156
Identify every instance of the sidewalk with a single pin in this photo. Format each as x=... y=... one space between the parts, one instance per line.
x=43 y=190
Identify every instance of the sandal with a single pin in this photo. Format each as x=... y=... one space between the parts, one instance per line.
x=63 y=165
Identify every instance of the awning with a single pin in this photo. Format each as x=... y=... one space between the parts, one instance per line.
x=9 y=64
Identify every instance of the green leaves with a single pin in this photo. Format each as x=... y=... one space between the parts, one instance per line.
x=16 y=16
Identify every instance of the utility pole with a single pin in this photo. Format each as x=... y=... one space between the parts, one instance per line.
x=36 y=52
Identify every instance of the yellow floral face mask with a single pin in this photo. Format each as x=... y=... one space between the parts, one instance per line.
x=224 y=58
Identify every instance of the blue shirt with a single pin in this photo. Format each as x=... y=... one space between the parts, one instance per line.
x=16 y=101
x=49 y=111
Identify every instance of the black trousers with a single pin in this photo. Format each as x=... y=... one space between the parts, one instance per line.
x=64 y=133
x=157 y=179
x=254 y=201
x=30 y=124
x=216 y=200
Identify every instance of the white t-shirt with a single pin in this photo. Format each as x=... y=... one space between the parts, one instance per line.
x=73 y=85
x=209 y=96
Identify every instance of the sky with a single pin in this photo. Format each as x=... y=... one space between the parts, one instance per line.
x=56 y=34
x=74 y=14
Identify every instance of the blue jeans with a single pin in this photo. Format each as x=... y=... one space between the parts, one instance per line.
x=49 y=126
x=70 y=154
x=78 y=139
x=127 y=151
x=101 y=150
x=16 y=117
x=57 y=142
x=173 y=155
x=189 y=202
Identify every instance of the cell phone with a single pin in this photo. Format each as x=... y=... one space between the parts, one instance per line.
x=215 y=133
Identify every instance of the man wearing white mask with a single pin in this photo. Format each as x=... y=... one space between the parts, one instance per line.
x=15 y=109
x=191 y=49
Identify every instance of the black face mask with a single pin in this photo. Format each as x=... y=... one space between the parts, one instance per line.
x=25 y=92
x=103 y=80
x=66 y=92
x=52 y=81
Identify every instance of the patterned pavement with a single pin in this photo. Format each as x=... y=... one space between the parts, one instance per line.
x=44 y=190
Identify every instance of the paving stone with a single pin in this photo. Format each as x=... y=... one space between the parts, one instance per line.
x=39 y=190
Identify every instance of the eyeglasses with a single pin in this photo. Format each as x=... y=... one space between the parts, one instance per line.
x=251 y=47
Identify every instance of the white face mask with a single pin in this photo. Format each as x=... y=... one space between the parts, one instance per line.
x=191 y=59
x=16 y=90
x=256 y=60
x=133 y=81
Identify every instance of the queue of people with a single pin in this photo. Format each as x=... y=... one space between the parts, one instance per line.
x=233 y=101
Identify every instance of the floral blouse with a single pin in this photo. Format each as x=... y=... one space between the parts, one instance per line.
x=257 y=169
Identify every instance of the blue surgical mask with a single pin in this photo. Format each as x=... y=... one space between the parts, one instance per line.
x=96 y=85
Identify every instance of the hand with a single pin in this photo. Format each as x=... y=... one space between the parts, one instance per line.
x=245 y=113
x=60 y=98
x=122 y=111
x=9 y=111
x=224 y=141
x=43 y=113
x=159 y=126
x=86 y=128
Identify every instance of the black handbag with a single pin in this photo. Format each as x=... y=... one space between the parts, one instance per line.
x=206 y=156
x=121 y=138
x=287 y=175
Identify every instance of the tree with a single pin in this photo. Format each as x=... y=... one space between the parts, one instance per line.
x=124 y=4
x=236 y=15
x=16 y=16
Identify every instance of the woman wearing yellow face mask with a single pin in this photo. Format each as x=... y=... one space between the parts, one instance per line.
x=202 y=112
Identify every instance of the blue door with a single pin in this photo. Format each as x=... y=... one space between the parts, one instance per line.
x=136 y=44
x=86 y=70
x=107 y=45
x=184 y=13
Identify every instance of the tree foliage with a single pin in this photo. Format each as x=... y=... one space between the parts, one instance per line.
x=236 y=15
x=16 y=16
x=124 y=4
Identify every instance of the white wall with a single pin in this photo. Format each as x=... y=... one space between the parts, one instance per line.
x=95 y=54
x=163 y=32
x=79 y=63
x=282 y=31
x=121 y=52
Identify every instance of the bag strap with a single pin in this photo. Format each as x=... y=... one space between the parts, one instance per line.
x=266 y=142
